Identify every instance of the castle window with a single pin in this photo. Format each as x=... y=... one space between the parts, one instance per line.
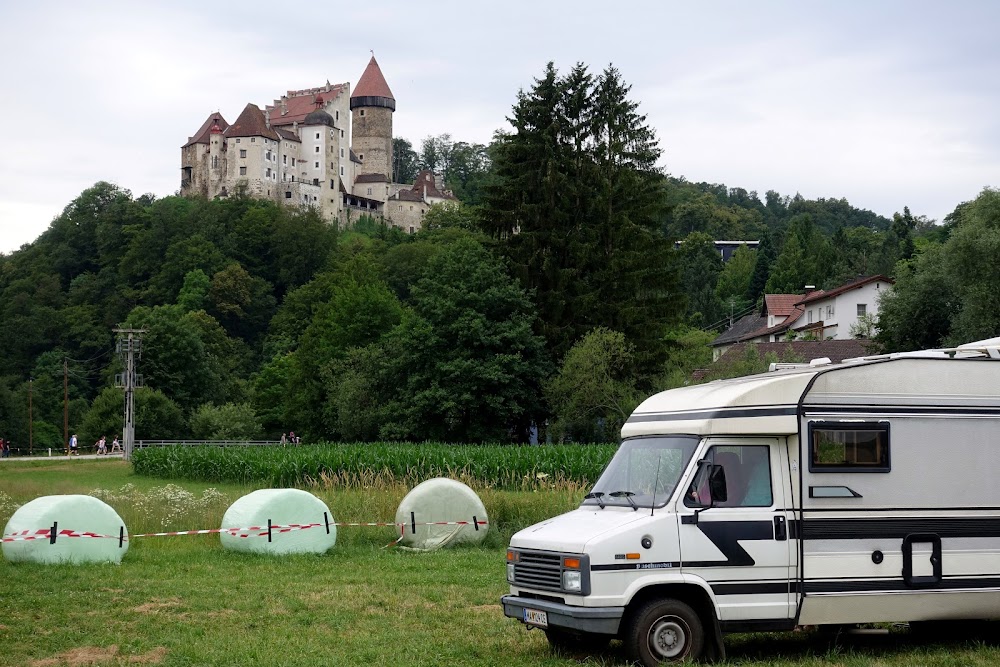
x=284 y=159
x=293 y=178
x=293 y=162
x=411 y=230
x=267 y=156
x=362 y=112
x=288 y=194
x=341 y=152
x=317 y=165
x=369 y=190
x=253 y=140
x=243 y=152
x=361 y=157
x=267 y=174
x=237 y=140
x=337 y=114
x=317 y=149
x=341 y=171
x=341 y=134
x=317 y=135
x=243 y=171
x=215 y=161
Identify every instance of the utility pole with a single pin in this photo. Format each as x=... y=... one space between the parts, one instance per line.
x=31 y=439
x=66 y=405
x=129 y=345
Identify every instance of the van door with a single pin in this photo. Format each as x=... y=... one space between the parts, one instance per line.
x=740 y=541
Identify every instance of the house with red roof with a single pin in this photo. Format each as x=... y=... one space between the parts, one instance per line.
x=846 y=312
x=323 y=147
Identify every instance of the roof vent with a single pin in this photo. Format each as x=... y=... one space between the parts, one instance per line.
x=822 y=361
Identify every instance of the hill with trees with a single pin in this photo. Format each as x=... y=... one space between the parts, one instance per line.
x=555 y=297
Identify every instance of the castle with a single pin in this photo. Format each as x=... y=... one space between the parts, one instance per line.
x=325 y=147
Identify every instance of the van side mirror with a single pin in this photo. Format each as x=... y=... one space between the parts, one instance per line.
x=717 y=484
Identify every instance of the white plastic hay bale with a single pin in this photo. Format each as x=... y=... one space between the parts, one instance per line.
x=79 y=514
x=441 y=499
x=283 y=507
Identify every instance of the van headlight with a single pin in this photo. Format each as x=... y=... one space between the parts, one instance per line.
x=572 y=580
x=510 y=572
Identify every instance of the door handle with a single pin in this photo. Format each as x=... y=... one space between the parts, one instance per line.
x=780 y=529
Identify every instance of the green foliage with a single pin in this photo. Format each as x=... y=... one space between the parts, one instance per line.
x=944 y=295
x=751 y=363
x=501 y=466
x=156 y=416
x=230 y=421
x=700 y=268
x=404 y=161
x=593 y=393
x=194 y=292
x=733 y=283
x=689 y=350
x=807 y=258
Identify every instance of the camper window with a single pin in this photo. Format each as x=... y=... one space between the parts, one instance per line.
x=747 y=475
x=849 y=447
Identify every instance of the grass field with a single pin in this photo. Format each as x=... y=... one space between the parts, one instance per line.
x=183 y=601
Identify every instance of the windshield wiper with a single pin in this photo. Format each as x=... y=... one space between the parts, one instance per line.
x=628 y=496
x=596 y=495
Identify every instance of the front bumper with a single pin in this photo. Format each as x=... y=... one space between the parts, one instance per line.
x=595 y=620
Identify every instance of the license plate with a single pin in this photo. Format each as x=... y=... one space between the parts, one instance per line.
x=535 y=617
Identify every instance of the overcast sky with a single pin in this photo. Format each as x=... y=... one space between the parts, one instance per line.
x=887 y=104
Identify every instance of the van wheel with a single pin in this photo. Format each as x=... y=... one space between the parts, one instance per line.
x=665 y=631
x=568 y=641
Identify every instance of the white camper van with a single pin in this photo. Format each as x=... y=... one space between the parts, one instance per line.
x=824 y=494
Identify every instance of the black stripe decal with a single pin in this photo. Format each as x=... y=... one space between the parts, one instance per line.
x=848 y=529
x=887 y=585
x=751 y=588
x=767 y=411
x=634 y=566
x=894 y=410
x=725 y=535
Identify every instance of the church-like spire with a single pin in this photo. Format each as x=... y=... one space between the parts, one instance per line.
x=372 y=90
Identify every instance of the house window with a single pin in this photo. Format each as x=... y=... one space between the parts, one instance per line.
x=288 y=194
x=862 y=309
x=829 y=312
x=243 y=152
x=243 y=171
x=849 y=447
x=810 y=317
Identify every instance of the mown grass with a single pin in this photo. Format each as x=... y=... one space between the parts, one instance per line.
x=183 y=601
x=367 y=464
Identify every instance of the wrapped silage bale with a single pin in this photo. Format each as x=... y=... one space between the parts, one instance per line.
x=75 y=514
x=440 y=500
x=284 y=507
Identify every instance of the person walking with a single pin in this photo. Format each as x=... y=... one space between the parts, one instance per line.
x=102 y=447
x=115 y=445
x=72 y=445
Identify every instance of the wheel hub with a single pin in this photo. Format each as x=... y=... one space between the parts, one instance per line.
x=668 y=638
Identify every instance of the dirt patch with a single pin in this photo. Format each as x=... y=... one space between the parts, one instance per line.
x=154 y=657
x=77 y=657
x=156 y=606
x=94 y=655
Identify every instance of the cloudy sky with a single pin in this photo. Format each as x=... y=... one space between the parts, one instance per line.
x=884 y=103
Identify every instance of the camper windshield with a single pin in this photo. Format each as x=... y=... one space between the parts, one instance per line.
x=643 y=471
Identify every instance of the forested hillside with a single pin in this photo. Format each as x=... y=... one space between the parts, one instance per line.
x=554 y=297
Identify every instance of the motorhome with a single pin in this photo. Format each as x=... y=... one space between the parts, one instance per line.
x=813 y=495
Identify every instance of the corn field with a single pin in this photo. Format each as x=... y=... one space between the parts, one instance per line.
x=379 y=464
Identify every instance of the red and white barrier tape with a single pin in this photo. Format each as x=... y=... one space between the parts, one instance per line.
x=251 y=531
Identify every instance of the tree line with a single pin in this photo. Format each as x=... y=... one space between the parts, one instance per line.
x=575 y=278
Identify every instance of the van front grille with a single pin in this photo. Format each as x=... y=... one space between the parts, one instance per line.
x=539 y=569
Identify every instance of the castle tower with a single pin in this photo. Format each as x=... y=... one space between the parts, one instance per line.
x=372 y=105
x=216 y=161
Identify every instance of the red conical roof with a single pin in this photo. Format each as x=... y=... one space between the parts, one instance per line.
x=372 y=83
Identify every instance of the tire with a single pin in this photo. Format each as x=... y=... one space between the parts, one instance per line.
x=568 y=641
x=664 y=631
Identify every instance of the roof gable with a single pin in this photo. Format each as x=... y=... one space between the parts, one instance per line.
x=860 y=282
x=251 y=123
x=295 y=105
x=205 y=131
